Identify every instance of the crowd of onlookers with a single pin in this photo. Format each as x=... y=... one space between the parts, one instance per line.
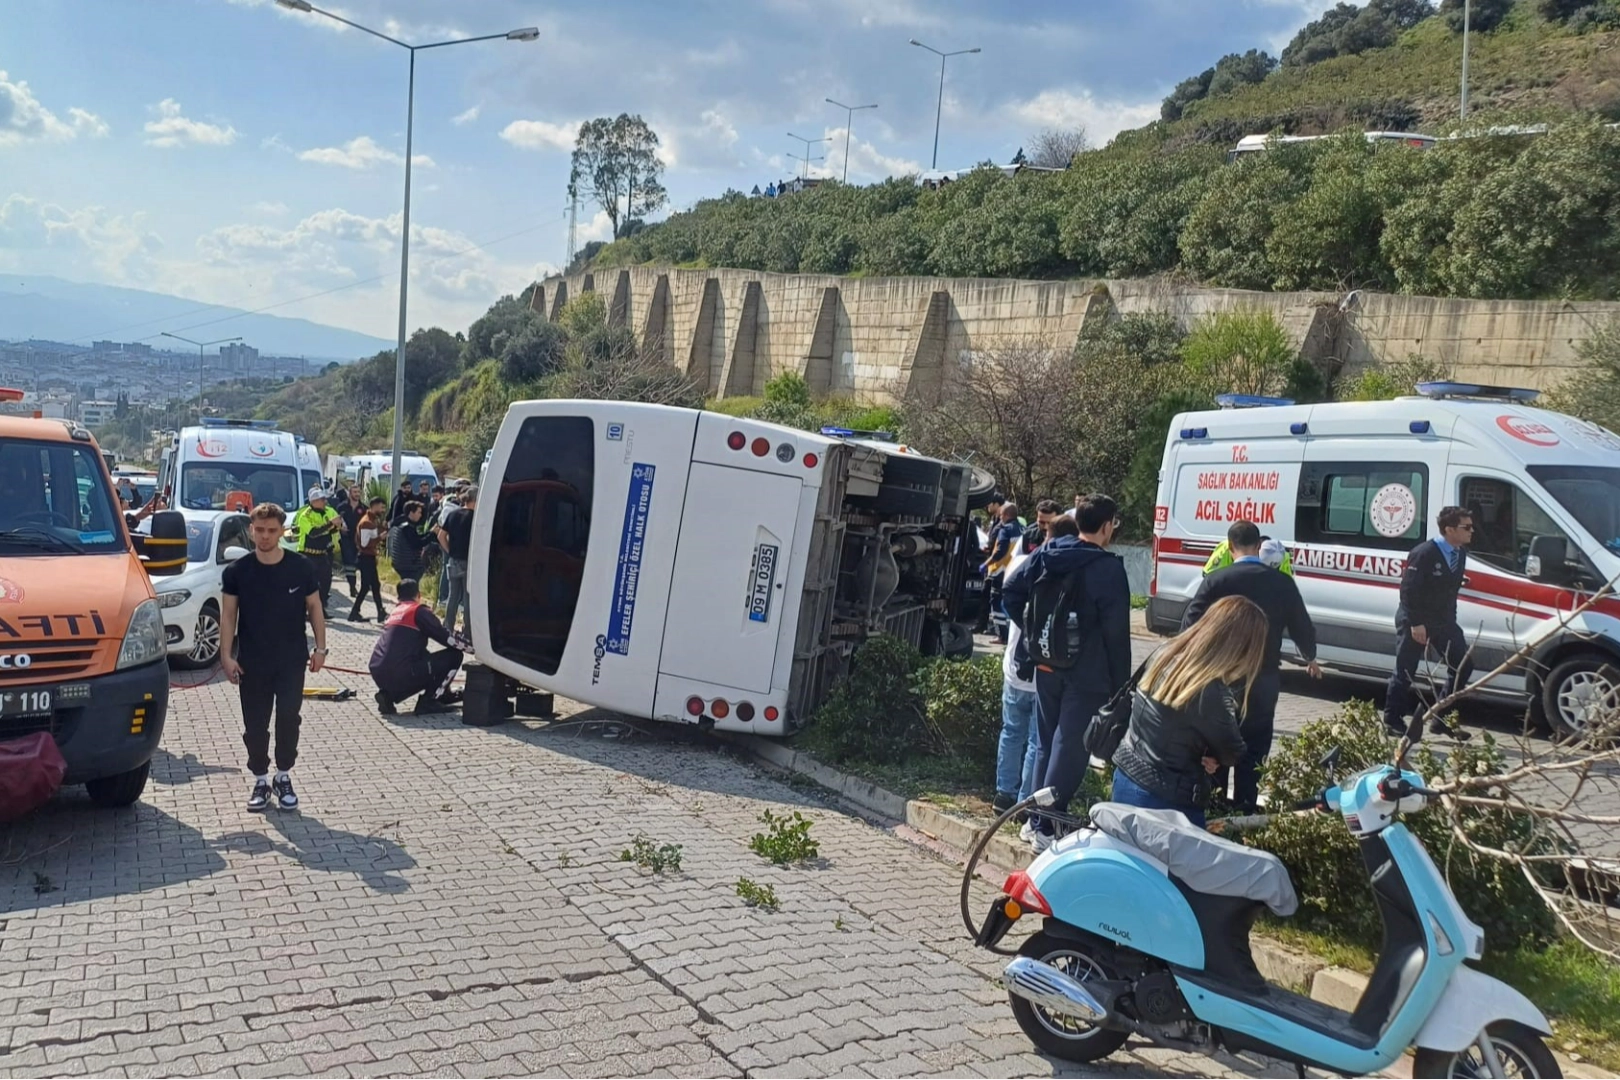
x=1200 y=709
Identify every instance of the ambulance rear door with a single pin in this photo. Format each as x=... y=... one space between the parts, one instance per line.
x=1232 y=465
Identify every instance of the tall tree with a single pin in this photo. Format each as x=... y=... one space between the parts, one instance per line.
x=616 y=166
x=1054 y=148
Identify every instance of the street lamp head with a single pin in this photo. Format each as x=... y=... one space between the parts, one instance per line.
x=527 y=33
x=913 y=41
x=974 y=50
x=295 y=5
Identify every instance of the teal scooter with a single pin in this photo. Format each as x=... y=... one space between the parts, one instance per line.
x=1145 y=932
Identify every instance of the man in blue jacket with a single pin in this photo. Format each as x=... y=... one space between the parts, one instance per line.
x=1098 y=646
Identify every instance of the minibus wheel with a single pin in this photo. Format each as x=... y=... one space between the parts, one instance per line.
x=1580 y=695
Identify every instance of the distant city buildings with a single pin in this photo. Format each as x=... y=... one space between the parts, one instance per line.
x=238 y=357
x=92 y=414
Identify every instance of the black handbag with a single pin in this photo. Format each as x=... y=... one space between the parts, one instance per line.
x=1106 y=730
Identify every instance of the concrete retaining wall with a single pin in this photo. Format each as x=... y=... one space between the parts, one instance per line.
x=881 y=339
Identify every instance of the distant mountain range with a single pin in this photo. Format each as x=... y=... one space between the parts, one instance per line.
x=57 y=310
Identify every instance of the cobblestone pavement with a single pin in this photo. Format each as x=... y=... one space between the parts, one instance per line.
x=450 y=901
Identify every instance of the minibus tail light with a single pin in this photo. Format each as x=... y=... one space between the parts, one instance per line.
x=694 y=705
x=736 y=440
x=745 y=711
x=811 y=461
x=771 y=713
x=761 y=447
x=719 y=708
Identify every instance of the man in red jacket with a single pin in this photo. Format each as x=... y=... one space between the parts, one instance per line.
x=401 y=664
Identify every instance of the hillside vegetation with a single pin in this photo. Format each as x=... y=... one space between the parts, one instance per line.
x=1500 y=216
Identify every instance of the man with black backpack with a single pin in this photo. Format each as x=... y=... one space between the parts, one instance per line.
x=1072 y=602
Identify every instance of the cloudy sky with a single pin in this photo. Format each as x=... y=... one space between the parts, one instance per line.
x=231 y=151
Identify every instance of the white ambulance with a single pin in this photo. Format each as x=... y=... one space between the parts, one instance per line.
x=233 y=465
x=1352 y=487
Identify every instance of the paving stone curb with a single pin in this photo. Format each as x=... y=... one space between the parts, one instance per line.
x=1336 y=986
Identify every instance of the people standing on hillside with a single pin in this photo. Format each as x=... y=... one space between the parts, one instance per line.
x=1426 y=619
x=314 y=528
x=1277 y=595
x=368 y=534
x=1072 y=600
x=455 y=538
x=267 y=598
x=406 y=542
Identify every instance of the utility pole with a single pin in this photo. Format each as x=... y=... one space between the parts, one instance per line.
x=939 y=106
x=573 y=225
x=1463 y=112
x=849 y=122
x=805 y=172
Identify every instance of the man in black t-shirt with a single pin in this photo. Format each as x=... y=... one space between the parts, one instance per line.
x=455 y=537
x=268 y=596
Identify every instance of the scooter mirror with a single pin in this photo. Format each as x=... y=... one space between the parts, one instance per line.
x=1330 y=762
x=1045 y=797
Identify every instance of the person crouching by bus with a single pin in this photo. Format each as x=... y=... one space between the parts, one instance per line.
x=401 y=664
x=314 y=526
x=368 y=534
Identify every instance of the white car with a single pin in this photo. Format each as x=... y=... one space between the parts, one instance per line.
x=190 y=599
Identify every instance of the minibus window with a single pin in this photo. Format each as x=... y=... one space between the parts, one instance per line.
x=538 y=540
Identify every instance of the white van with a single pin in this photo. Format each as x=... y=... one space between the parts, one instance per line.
x=221 y=464
x=379 y=465
x=1352 y=487
x=309 y=466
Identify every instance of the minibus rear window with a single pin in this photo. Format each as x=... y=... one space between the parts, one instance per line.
x=539 y=538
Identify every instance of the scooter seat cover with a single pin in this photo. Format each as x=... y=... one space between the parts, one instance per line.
x=1201 y=860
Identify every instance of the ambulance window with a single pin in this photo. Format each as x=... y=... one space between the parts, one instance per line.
x=1505 y=521
x=1360 y=504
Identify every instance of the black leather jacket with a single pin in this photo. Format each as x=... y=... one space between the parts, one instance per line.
x=1164 y=749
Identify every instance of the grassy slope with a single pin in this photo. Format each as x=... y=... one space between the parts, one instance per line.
x=1524 y=65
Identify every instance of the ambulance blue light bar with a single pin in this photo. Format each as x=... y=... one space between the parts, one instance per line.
x=1250 y=401
x=1194 y=433
x=1442 y=389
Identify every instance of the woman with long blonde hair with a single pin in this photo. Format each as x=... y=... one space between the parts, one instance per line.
x=1184 y=718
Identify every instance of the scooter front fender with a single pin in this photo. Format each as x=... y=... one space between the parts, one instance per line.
x=1471 y=1001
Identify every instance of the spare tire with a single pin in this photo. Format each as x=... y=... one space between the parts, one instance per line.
x=981 y=486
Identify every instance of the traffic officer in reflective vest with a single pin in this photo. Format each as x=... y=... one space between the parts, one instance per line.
x=314 y=527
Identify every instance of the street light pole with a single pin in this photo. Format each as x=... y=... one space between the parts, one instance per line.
x=201 y=345
x=939 y=107
x=805 y=173
x=1463 y=112
x=527 y=33
x=849 y=122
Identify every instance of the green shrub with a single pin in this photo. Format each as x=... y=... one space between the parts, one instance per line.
x=876 y=713
x=1385 y=382
x=962 y=701
x=786 y=839
x=1325 y=862
x=756 y=895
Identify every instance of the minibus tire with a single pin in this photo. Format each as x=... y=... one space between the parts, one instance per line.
x=1600 y=664
x=112 y=792
x=981 y=485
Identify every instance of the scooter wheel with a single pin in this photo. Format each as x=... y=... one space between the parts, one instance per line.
x=1519 y=1048
x=1063 y=1036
